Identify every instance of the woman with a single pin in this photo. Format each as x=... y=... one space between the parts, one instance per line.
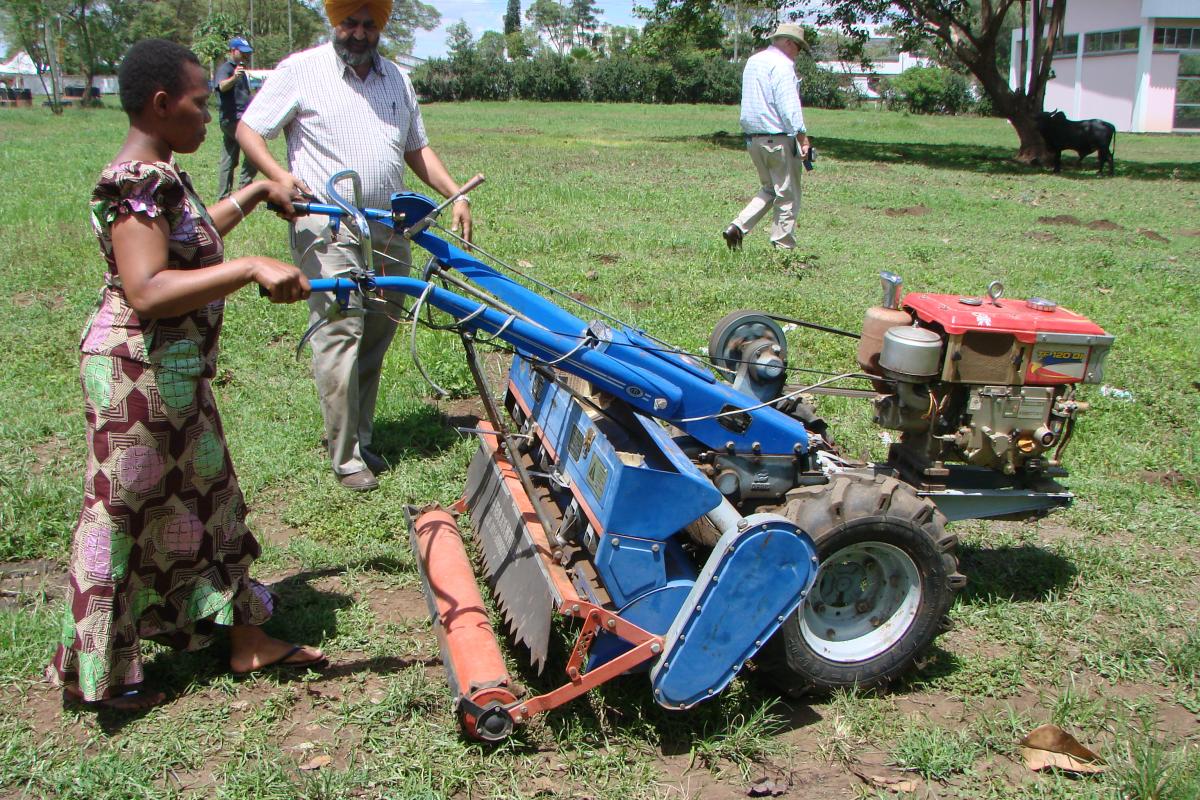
x=161 y=550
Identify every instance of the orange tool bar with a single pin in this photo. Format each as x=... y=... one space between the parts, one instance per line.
x=469 y=647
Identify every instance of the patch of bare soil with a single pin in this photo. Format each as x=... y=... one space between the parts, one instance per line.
x=1188 y=231
x=1104 y=225
x=1061 y=219
x=1042 y=236
x=908 y=211
x=1172 y=478
x=606 y=258
x=51 y=452
x=23 y=581
x=264 y=521
x=464 y=412
x=50 y=300
x=581 y=297
x=1153 y=236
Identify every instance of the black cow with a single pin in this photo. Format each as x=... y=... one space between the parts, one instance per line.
x=1085 y=137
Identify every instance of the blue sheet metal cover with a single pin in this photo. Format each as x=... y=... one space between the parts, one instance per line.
x=753 y=580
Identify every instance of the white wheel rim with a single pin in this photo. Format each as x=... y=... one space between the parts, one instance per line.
x=863 y=602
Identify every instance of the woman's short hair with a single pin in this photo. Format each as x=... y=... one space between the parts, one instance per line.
x=148 y=66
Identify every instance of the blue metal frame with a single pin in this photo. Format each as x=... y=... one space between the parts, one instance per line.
x=662 y=384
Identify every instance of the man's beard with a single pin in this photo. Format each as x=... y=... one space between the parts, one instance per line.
x=353 y=59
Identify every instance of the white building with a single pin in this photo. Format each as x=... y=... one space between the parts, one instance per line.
x=1134 y=63
x=866 y=80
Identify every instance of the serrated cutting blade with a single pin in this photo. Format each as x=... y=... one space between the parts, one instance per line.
x=515 y=570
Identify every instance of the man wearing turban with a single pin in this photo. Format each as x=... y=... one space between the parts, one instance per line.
x=342 y=106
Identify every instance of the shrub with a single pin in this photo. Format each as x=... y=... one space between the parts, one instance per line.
x=929 y=90
x=549 y=77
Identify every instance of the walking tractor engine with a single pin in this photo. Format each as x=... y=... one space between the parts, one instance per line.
x=984 y=381
x=692 y=518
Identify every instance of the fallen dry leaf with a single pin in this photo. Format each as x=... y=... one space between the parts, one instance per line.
x=890 y=780
x=768 y=787
x=316 y=762
x=1049 y=746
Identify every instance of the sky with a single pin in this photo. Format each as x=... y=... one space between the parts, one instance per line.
x=488 y=15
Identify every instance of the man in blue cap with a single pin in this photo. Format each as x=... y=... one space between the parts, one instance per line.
x=233 y=88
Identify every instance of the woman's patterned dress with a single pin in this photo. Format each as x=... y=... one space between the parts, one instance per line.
x=161 y=550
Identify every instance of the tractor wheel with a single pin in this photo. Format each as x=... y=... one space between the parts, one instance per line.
x=887 y=576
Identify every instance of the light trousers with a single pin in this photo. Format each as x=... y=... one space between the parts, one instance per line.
x=777 y=161
x=349 y=350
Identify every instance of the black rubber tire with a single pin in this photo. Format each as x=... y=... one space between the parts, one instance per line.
x=850 y=510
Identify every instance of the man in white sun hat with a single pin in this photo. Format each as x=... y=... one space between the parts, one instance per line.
x=775 y=137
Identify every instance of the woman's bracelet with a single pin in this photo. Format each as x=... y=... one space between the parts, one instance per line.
x=238 y=206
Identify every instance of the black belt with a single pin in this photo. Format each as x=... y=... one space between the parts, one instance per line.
x=766 y=134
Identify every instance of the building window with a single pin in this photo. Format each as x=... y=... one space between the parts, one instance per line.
x=1187 y=92
x=1120 y=41
x=1067 y=45
x=1176 y=39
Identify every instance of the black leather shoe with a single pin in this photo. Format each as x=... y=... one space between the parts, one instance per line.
x=733 y=237
x=362 y=481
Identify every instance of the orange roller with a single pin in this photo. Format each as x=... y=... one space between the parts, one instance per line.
x=470 y=652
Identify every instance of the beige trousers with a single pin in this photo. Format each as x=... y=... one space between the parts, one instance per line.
x=348 y=351
x=777 y=161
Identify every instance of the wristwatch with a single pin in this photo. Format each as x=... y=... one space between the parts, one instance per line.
x=463 y=199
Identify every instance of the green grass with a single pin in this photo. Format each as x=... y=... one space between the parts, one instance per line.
x=1087 y=619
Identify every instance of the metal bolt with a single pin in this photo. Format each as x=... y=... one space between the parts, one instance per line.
x=524 y=709
x=699 y=608
x=758 y=642
x=612 y=623
x=756 y=447
x=682 y=637
x=818 y=607
x=656 y=648
x=862 y=606
x=616 y=542
x=654 y=548
x=876 y=622
x=710 y=691
x=716 y=578
x=683 y=705
x=780 y=618
x=815 y=560
x=742 y=525
x=575 y=608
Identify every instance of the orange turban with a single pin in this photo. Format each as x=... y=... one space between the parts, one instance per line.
x=338 y=10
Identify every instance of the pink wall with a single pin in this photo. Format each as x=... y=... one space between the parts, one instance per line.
x=1160 y=101
x=1108 y=88
x=1060 y=92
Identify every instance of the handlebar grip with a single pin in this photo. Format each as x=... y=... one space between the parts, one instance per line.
x=301 y=208
x=471 y=184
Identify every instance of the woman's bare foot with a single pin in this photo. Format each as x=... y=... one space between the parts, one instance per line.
x=253 y=650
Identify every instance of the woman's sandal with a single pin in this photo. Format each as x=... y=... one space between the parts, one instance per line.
x=282 y=663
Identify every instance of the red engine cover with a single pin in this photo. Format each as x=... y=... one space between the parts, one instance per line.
x=1012 y=316
x=1057 y=347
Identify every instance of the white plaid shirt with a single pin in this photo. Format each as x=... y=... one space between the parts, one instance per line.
x=770 y=95
x=334 y=120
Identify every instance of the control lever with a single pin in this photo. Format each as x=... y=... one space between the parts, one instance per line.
x=427 y=220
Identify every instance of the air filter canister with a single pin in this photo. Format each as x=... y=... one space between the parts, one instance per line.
x=912 y=354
